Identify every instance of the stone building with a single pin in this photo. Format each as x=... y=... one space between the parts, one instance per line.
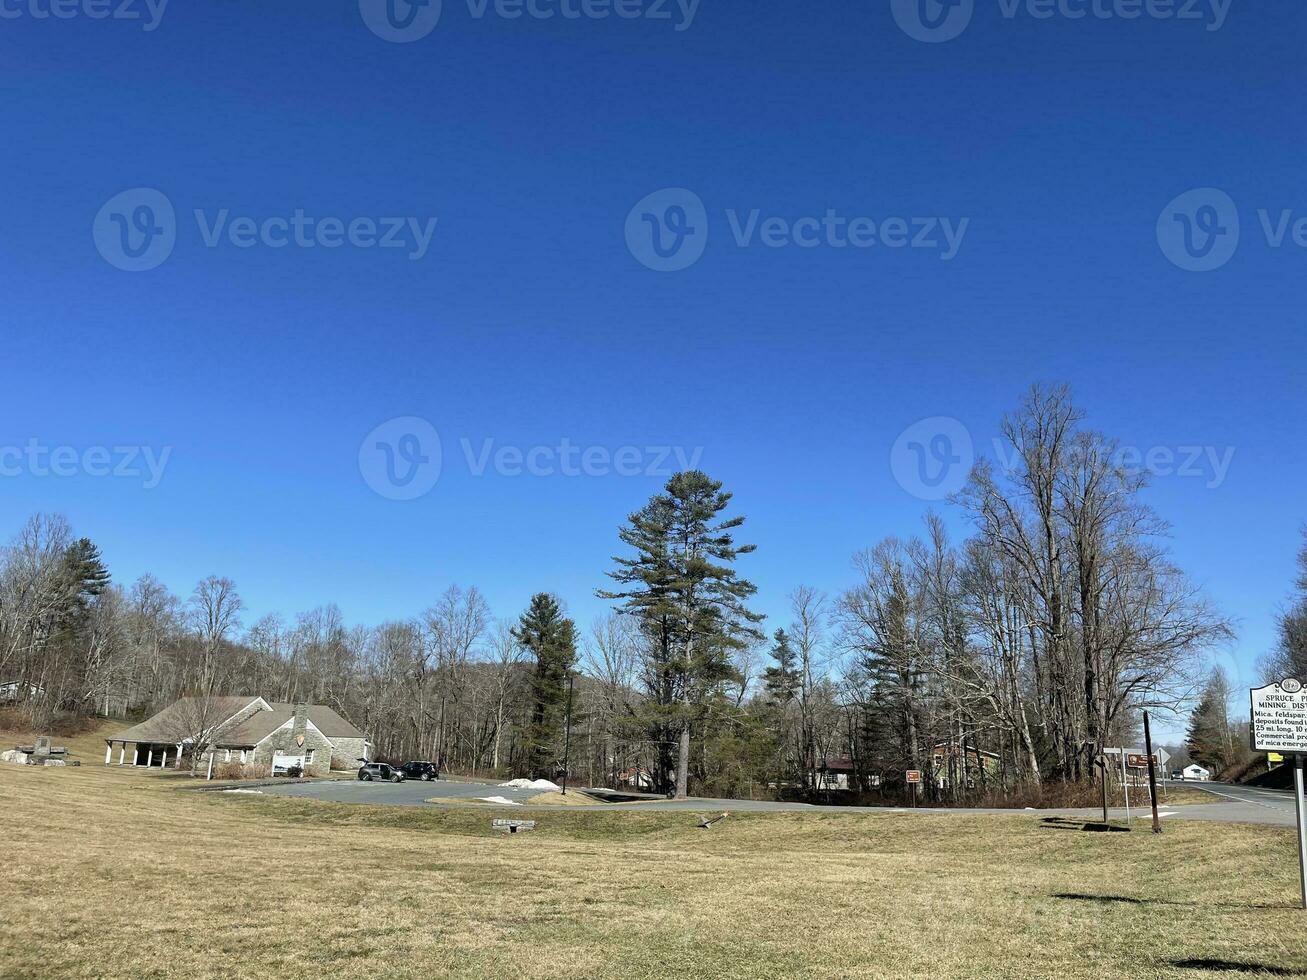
x=243 y=729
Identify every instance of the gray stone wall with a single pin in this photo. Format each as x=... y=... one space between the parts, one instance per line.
x=348 y=752
x=283 y=741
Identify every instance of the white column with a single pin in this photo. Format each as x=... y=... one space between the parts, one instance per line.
x=150 y=761
x=122 y=751
x=136 y=754
x=210 y=776
x=108 y=752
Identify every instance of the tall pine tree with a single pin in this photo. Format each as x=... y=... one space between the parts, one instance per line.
x=689 y=600
x=550 y=637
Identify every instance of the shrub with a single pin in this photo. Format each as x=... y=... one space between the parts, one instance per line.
x=236 y=770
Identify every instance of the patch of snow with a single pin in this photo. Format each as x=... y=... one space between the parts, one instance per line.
x=499 y=799
x=257 y=792
x=539 y=785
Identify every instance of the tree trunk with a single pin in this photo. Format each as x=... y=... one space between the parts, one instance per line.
x=683 y=764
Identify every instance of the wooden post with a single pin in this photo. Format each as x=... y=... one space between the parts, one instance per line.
x=122 y=752
x=136 y=754
x=108 y=753
x=210 y=775
x=567 y=739
x=1152 y=774
x=149 y=761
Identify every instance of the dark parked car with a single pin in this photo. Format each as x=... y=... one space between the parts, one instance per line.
x=425 y=771
x=379 y=770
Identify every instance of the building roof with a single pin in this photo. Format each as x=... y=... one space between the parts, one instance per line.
x=178 y=720
x=263 y=723
x=837 y=765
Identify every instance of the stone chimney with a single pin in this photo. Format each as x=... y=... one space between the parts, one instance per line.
x=301 y=718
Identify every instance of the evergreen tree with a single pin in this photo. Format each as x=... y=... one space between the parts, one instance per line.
x=690 y=602
x=782 y=681
x=781 y=684
x=551 y=638
x=1209 y=739
x=85 y=576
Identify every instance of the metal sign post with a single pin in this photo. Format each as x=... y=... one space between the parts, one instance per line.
x=913 y=779
x=1302 y=824
x=1125 y=788
x=1279 y=724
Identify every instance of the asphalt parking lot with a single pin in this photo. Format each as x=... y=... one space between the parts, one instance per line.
x=1229 y=804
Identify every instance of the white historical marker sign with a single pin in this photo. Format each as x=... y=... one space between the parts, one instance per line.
x=1279 y=724
x=1279 y=717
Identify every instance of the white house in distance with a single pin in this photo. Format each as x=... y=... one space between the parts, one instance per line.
x=1197 y=773
x=244 y=729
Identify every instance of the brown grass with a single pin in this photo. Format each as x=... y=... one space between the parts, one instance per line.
x=122 y=873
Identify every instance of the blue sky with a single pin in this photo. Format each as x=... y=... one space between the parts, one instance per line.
x=527 y=319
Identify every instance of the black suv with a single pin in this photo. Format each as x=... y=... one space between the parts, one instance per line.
x=379 y=770
x=425 y=771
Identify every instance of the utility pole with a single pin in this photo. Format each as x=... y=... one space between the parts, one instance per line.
x=567 y=738
x=1152 y=774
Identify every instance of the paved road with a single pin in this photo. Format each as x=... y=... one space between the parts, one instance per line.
x=1231 y=804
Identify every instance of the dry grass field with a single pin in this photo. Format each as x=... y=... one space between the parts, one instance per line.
x=119 y=873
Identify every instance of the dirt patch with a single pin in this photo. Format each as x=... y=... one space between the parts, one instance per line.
x=572 y=798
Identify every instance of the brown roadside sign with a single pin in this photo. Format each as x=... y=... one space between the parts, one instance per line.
x=1140 y=761
x=912 y=776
